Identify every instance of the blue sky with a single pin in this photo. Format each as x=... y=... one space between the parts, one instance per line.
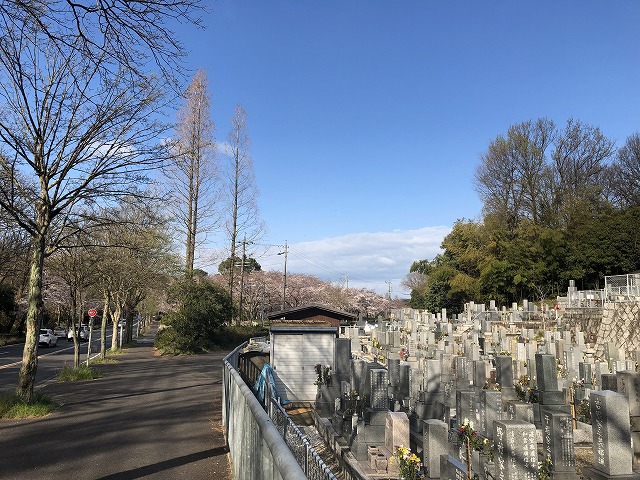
x=367 y=118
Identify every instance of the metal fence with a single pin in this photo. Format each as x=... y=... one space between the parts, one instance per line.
x=622 y=288
x=264 y=445
x=305 y=454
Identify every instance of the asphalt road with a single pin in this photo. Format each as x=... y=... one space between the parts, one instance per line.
x=50 y=359
x=147 y=417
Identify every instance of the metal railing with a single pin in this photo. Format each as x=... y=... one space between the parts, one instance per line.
x=264 y=444
x=622 y=288
x=305 y=454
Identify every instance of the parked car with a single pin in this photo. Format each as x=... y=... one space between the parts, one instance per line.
x=83 y=334
x=47 y=337
x=60 y=332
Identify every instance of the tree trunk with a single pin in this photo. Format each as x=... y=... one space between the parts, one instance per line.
x=103 y=327
x=27 y=375
x=116 y=319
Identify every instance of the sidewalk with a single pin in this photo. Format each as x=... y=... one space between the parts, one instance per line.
x=148 y=417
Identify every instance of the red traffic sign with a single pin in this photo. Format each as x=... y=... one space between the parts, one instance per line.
x=92 y=312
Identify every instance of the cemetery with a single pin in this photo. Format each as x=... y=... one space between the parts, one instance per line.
x=524 y=392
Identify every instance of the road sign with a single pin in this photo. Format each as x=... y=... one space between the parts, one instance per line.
x=92 y=312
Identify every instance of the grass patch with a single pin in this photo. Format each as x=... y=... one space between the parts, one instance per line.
x=10 y=339
x=103 y=361
x=11 y=406
x=70 y=374
x=116 y=351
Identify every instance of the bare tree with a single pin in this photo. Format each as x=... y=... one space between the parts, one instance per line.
x=75 y=267
x=625 y=173
x=134 y=259
x=579 y=159
x=513 y=176
x=193 y=170
x=114 y=35
x=72 y=139
x=241 y=192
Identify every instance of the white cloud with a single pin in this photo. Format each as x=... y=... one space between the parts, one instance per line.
x=369 y=259
x=224 y=148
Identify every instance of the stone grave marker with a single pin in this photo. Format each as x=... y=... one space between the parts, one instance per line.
x=379 y=389
x=557 y=443
x=466 y=408
x=452 y=469
x=612 y=452
x=489 y=411
x=515 y=450
x=396 y=430
x=434 y=444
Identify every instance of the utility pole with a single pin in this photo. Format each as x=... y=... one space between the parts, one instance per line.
x=284 y=277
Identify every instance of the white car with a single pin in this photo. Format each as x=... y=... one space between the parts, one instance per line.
x=47 y=337
x=60 y=332
x=83 y=334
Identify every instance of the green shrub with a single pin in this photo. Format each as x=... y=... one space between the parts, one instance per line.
x=201 y=310
x=169 y=342
x=231 y=336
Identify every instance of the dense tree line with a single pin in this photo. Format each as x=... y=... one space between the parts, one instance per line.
x=558 y=204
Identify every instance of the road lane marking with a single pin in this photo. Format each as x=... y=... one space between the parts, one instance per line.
x=9 y=365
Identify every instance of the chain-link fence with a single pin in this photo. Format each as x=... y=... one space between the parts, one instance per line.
x=622 y=288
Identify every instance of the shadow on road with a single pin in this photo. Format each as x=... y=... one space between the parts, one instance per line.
x=166 y=465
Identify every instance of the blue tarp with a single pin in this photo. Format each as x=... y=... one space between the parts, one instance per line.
x=266 y=375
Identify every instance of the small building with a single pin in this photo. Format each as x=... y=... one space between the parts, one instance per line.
x=302 y=338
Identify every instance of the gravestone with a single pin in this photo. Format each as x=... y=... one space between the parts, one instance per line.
x=342 y=357
x=404 y=382
x=434 y=444
x=612 y=452
x=466 y=408
x=609 y=381
x=358 y=375
x=519 y=411
x=490 y=410
x=547 y=377
x=462 y=374
x=379 y=389
x=504 y=376
x=393 y=366
x=432 y=372
x=479 y=373
x=515 y=450
x=628 y=383
x=452 y=469
x=396 y=431
x=557 y=443
x=585 y=374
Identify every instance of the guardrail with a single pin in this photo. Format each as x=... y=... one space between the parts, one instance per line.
x=260 y=446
